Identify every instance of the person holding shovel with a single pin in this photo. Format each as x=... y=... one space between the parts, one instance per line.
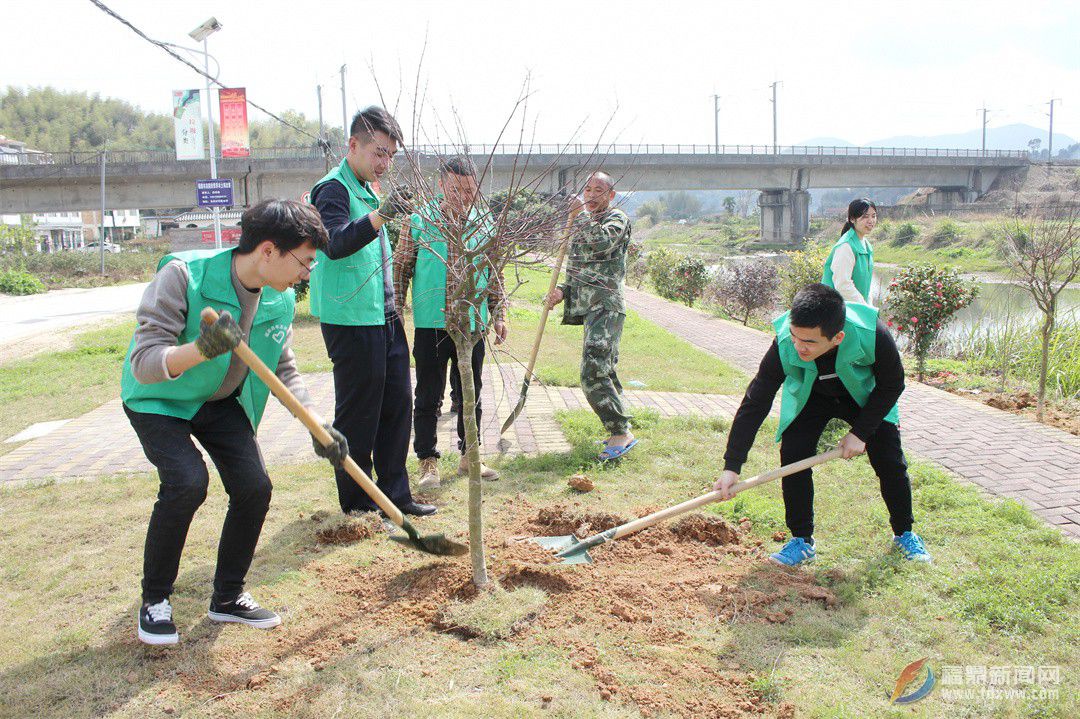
x=429 y=254
x=849 y=268
x=352 y=294
x=593 y=293
x=181 y=380
x=834 y=360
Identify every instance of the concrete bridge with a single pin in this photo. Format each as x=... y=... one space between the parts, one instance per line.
x=155 y=179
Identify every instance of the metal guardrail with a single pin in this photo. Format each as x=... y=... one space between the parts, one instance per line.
x=128 y=157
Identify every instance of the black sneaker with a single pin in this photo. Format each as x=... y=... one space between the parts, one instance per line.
x=156 y=624
x=244 y=610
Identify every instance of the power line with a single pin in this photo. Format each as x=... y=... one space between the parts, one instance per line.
x=322 y=143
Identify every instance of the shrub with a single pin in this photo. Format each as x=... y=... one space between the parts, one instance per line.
x=651 y=211
x=947 y=232
x=804 y=267
x=921 y=300
x=17 y=240
x=660 y=264
x=19 y=282
x=745 y=287
x=905 y=233
x=689 y=279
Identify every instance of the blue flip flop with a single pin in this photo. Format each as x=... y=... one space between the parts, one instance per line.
x=611 y=453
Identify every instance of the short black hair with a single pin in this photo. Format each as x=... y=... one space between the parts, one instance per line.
x=287 y=223
x=457 y=165
x=374 y=119
x=820 y=306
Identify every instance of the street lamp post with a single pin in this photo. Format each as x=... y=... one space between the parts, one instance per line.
x=201 y=33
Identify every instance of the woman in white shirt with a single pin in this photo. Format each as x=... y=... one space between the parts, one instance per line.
x=849 y=268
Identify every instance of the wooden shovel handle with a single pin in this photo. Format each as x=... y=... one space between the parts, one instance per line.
x=306 y=416
x=714 y=496
x=563 y=243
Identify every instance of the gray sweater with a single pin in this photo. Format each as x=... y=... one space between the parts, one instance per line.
x=162 y=316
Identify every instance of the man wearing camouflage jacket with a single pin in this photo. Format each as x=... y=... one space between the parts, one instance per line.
x=593 y=293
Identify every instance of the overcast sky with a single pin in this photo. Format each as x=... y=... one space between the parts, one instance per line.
x=857 y=71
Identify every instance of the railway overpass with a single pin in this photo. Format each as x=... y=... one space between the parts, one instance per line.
x=146 y=179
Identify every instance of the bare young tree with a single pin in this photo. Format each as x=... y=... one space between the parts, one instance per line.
x=1042 y=250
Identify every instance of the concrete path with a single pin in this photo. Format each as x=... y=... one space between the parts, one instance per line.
x=1004 y=454
x=101 y=442
x=23 y=317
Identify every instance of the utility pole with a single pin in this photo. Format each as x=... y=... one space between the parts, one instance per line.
x=344 y=109
x=101 y=238
x=213 y=151
x=1050 y=144
x=775 y=148
x=983 y=110
x=716 y=123
x=318 y=91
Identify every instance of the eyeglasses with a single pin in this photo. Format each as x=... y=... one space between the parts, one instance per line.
x=309 y=268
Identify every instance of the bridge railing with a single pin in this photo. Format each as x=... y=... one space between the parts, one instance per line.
x=127 y=157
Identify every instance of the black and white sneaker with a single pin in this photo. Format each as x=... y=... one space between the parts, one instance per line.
x=244 y=610
x=156 y=624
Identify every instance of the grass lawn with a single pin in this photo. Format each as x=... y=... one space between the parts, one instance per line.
x=61 y=385
x=639 y=633
x=685 y=368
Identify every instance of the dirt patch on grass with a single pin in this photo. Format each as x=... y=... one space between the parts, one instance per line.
x=639 y=623
x=1062 y=416
x=638 y=611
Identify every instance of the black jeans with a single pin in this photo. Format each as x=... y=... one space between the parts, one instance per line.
x=225 y=432
x=883 y=449
x=432 y=350
x=372 y=408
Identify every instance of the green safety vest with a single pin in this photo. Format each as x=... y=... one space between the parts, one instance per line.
x=210 y=285
x=349 y=291
x=429 y=278
x=854 y=364
x=864 y=263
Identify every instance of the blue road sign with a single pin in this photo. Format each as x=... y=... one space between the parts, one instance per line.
x=214 y=193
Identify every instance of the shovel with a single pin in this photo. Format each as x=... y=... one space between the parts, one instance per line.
x=572 y=550
x=540 y=330
x=432 y=543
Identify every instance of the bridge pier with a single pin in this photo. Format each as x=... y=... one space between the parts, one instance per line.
x=785 y=216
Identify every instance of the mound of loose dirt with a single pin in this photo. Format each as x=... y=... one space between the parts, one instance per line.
x=343 y=528
x=581 y=483
x=633 y=612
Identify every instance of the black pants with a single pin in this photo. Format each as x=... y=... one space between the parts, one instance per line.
x=432 y=350
x=224 y=431
x=372 y=408
x=886 y=456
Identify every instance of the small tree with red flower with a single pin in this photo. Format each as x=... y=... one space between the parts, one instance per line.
x=920 y=302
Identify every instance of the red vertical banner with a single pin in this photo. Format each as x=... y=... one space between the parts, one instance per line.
x=234 y=122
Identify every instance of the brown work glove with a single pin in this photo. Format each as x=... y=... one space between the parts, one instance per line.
x=220 y=337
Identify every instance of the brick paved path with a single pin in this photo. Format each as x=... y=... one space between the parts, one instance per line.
x=1004 y=454
x=105 y=443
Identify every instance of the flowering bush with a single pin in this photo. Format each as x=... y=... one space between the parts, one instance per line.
x=921 y=300
x=688 y=280
x=804 y=267
x=676 y=276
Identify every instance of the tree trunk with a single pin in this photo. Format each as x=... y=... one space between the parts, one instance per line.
x=1044 y=361
x=463 y=344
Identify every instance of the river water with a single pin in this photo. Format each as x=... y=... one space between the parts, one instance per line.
x=999 y=302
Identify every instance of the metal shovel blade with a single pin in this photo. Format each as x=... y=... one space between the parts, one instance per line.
x=565 y=548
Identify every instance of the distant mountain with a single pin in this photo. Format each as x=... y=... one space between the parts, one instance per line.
x=1005 y=137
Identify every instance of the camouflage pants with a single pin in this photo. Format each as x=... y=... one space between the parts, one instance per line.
x=599 y=382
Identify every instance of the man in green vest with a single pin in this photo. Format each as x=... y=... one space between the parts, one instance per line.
x=593 y=292
x=833 y=360
x=436 y=238
x=181 y=381
x=352 y=294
